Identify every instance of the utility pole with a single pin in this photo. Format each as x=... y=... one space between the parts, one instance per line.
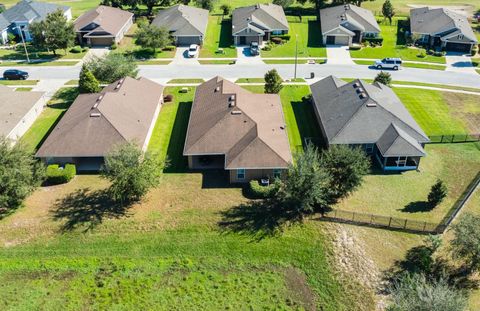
x=296 y=55
x=24 y=45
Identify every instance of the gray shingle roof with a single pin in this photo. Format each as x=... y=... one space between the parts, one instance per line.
x=440 y=21
x=27 y=10
x=348 y=17
x=107 y=20
x=258 y=18
x=397 y=143
x=349 y=119
x=183 y=20
x=251 y=133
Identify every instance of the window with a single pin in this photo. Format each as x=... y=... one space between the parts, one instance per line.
x=460 y=37
x=369 y=148
x=277 y=32
x=277 y=173
x=241 y=174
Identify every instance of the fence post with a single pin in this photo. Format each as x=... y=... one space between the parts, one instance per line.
x=405 y=226
x=371 y=219
x=353 y=216
x=424 y=226
x=390 y=221
x=441 y=140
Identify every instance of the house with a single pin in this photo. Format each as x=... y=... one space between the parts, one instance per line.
x=442 y=29
x=372 y=117
x=233 y=129
x=124 y=111
x=103 y=26
x=258 y=23
x=18 y=111
x=186 y=24
x=16 y=19
x=347 y=24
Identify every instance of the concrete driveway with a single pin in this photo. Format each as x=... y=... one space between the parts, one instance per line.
x=244 y=56
x=181 y=57
x=338 y=55
x=459 y=62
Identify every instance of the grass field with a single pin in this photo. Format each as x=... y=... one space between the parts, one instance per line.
x=309 y=40
x=49 y=117
x=402 y=6
x=216 y=62
x=18 y=82
x=442 y=113
x=410 y=65
x=19 y=54
x=404 y=195
x=219 y=35
x=394 y=46
x=127 y=46
x=173 y=81
x=23 y=89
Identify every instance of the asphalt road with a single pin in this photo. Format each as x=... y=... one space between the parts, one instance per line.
x=167 y=72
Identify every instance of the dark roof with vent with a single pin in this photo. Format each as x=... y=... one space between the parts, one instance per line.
x=258 y=18
x=183 y=20
x=249 y=129
x=94 y=123
x=360 y=113
x=348 y=18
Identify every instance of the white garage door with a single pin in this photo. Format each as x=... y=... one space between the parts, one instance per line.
x=342 y=40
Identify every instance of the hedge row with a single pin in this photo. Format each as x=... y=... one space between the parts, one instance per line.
x=262 y=192
x=57 y=175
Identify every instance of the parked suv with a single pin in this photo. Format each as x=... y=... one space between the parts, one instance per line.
x=389 y=63
x=193 y=50
x=254 y=50
x=14 y=74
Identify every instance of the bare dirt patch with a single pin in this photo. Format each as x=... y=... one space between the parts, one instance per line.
x=297 y=285
x=466 y=108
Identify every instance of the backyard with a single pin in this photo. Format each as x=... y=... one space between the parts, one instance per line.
x=394 y=45
x=309 y=39
x=218 y=36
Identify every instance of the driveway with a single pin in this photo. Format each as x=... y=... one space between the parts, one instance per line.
x=338 y=55
x=181 y=57
x=244 y=56
x=96 y=52
x=459 y=62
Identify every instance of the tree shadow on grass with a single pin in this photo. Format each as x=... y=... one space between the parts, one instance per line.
x=87 y=209
x=257 y=219
x=314 y=34
x=226 y=39
x=402 y=27
x=417 y=207
x=177 y=162
x=307 y=125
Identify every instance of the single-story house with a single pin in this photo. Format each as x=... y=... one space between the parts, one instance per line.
x=370 y=116
x=442 y=28
x=347 y=24
x=103 y=26
x=233 y=129
x=124 y=111
x=258 y=23
x=18 y=111
x=17 y=18
x=186 y=24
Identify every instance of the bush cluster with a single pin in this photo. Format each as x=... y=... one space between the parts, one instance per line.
x=113 y=46
x=57 y=175
x=373 y=40
x=285 y=37
x=474 y=50
x=169 y=48
x=262 y=192
x=76 y=49
x=355 y=47
x=277 y=40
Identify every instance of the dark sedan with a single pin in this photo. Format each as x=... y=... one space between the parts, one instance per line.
x=14 y=74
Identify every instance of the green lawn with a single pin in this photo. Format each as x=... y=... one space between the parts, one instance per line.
x=19 y=54
x=18 y=82
x=47 y=63
x=309 y=39
x=394 y=45
x=219 y=35
x=404 y=195
x=128 y=47
x=173 y=81
x=441 y=113
x=402 y=6
x=49 y=117
x=23 y=89
x=411 y=65
x=216 y=62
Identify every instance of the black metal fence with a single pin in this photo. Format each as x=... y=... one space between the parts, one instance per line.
x=455 y=138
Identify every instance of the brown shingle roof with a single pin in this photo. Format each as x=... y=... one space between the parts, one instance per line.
x=251 y=133
x=108 y=19
x=123 y=111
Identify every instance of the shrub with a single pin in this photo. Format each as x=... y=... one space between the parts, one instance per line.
x=355 y=47
x=438 y=53
x=262 y=192
x=277 y=40
x=267 y=47
x=76 y=49
x=474 y=50
x=169 y=48
x=113 y=46
x=168 y=98
x=422 y=53
x=60 y=175
x=374 y=40
x=438 y=192
x=285 y=37
x=85 y=49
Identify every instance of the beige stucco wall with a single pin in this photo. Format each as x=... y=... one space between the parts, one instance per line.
x=251 y=174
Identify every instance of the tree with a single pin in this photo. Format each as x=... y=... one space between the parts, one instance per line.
x=112 y=3
x=112 y=67
x=54 y=32
x=87 y=82
x=414 y=292
x=20 y=174
x=438 y=192
x=150 y=4
x=388 y=11
x=283 y=3
x=304 y=187
x=152 y=37
x=131 y=172
x=206 y=4
x=354 y=2
x=317 y=3
x=226 y=9
x=466 y=241
x=384 y=78
x=273 y=82
x=346 y=167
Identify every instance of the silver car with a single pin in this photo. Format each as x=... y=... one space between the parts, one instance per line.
x=388 y=63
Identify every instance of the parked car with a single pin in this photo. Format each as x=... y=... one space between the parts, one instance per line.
x=254 y=50
x=388 y=63
x=15 y=74
x=193 y=50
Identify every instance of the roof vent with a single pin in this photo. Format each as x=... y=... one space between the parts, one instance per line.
x=371 y=104
x=362 y=96
x=232 y=97
x=231 y=103
x=99 y=98
x=95 y=115
x=356 y=84
x=347 y=7
x=257 y=6
x=360 y=90
x=236 y=112
x=217 y=89
x=282 y=127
